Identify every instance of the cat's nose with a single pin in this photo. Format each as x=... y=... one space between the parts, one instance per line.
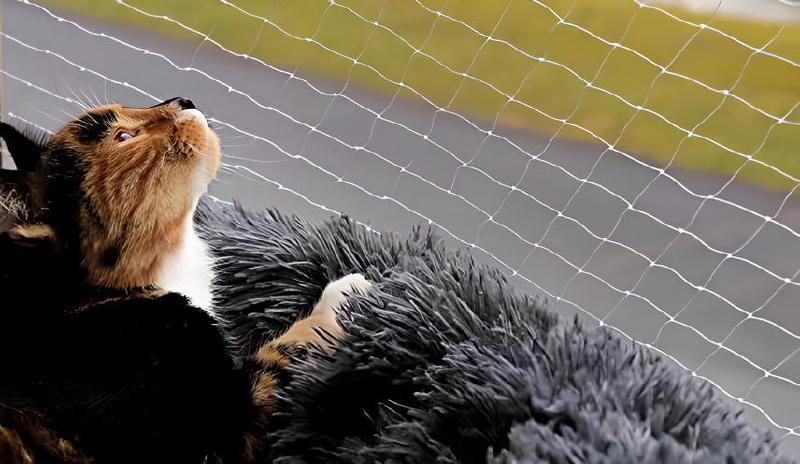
x=183 y=103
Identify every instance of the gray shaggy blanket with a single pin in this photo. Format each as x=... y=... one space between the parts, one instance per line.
x=445 y=363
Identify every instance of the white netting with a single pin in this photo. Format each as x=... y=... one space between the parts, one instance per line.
x=702 y=269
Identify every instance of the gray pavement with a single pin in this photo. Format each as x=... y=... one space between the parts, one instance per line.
x=385 y=190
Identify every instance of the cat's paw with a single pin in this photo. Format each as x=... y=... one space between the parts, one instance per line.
x=323 y=316
x=335 y=293
x=333 y=297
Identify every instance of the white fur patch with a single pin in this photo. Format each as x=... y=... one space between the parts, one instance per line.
x=192 y=113
x=189 y=269
x=335 y=293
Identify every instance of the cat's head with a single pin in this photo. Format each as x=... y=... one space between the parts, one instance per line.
x=113 y=189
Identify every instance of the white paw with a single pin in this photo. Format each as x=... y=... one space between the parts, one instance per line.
x=335 y=293
x=323 y=316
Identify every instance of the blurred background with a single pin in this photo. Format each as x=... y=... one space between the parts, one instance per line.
x=633 y=163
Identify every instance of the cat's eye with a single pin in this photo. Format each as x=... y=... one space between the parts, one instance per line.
x=123 y=136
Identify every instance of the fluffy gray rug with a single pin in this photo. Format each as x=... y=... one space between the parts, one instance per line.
x=445 y=363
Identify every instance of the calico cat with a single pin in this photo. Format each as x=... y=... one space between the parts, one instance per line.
x=109 y=348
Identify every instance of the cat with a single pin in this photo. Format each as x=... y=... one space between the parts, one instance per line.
x=109 y=347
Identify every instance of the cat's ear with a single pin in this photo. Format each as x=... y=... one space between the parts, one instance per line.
x=19 y=187
x=13 y=180
x=17 y=193
x=14 y=200
x=17 y=190
x=24 y=145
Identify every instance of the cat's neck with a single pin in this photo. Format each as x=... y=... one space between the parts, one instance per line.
x=188 y=270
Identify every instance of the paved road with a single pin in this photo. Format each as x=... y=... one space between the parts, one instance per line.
x=544 y=186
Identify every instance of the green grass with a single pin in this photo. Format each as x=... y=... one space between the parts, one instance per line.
x=765 y=82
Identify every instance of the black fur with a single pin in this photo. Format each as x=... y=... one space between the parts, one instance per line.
x=62 y=197
x=445 y=363
x=110 y=257
x=25 y=144
x=130 y=377
x=94 y=126
x=13 y=180
x=133 y=378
